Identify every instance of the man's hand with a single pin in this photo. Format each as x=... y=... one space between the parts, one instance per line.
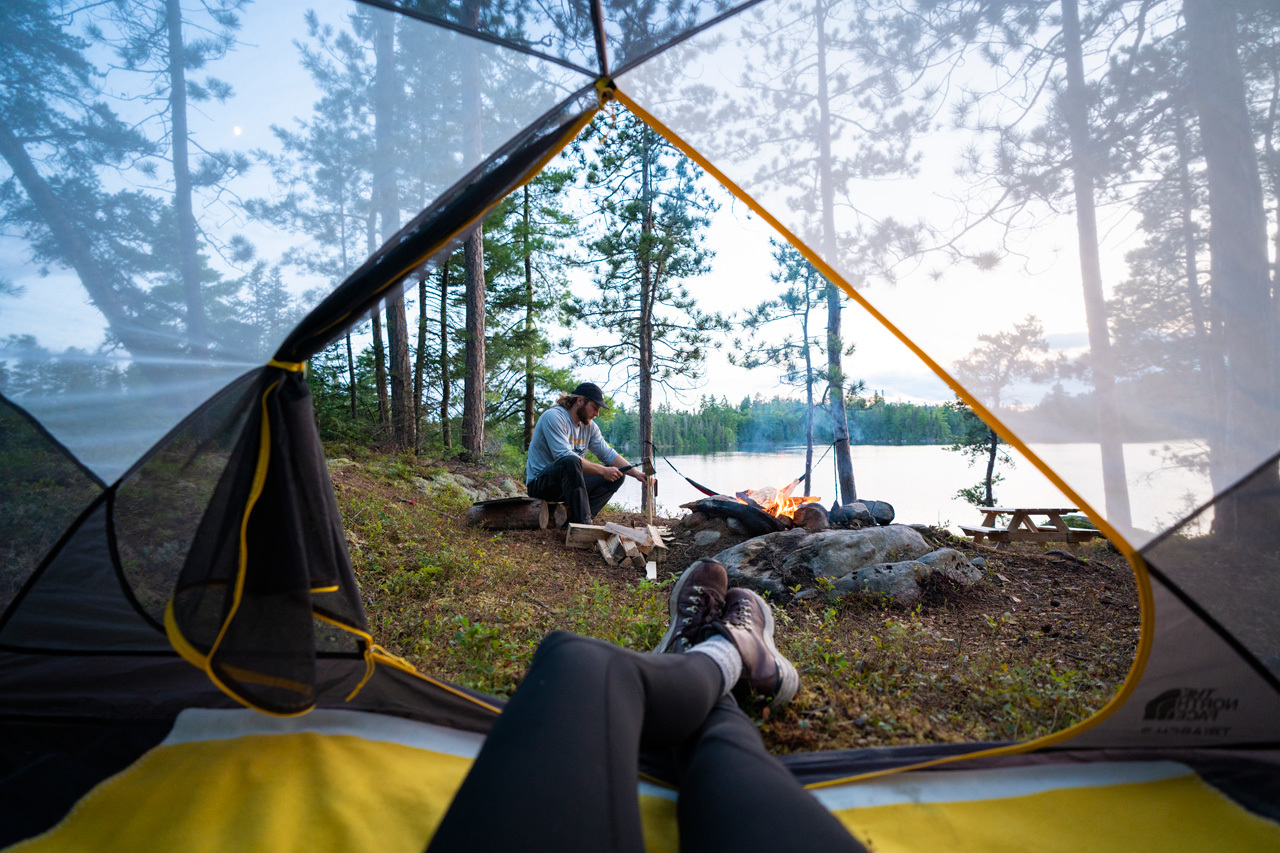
x=610 y=473
x=640 y=475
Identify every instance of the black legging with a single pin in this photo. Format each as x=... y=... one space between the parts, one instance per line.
x=558 y=771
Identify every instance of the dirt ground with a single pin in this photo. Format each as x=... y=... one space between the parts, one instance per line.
x=1043 y=641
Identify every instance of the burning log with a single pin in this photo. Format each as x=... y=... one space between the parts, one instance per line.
x=756 y=521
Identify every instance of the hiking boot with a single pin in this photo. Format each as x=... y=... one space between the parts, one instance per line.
x=697 y=600
x=748 y=622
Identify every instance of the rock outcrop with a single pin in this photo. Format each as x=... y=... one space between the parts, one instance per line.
x=889 y=562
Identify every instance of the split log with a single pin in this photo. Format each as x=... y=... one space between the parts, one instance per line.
x=633 y=553
x=518 y=513
x=640 y=537
x=651 y=571
x=584 y=535
x=606 y=550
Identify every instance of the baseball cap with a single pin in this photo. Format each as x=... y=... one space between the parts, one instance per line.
x=592 y=392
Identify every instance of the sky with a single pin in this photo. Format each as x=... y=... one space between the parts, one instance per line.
x=738 y=280
x=56 y=308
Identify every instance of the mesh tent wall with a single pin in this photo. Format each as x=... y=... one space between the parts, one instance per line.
x=172 y=548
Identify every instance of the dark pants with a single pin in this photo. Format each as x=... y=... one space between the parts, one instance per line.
x=583 y=494
x=558 y=771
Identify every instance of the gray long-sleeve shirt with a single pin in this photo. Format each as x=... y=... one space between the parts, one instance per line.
x=556 y=435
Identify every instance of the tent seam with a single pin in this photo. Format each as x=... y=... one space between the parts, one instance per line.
x=57 y=549
x=1217 y=627
x=117 y=565
x=479 y=35
x=1131 y=554
x=198 y=410
x=1238 y=484
x=471 y=177
x=631 y=65
x=44 y=433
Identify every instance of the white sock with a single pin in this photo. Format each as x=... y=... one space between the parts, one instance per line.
x=726 y=656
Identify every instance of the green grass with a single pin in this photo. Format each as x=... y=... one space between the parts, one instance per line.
x=471 y=606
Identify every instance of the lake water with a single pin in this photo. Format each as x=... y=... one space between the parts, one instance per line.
x=920 y=481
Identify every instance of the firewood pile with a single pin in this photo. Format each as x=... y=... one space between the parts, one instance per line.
x=640 y=547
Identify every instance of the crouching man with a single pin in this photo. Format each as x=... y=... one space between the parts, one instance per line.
x=556 y=470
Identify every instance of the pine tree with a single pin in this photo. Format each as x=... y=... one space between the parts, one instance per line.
x=805 y=290
x=651 y=213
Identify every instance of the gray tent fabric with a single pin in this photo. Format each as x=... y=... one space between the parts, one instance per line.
x=169 y=539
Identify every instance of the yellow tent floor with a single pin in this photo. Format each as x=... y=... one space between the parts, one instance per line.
x=348 y=781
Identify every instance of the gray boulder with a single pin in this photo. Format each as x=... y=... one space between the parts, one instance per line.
x=751 y=563
x=953 y=565
x=883 y=562
x=881 y=511
x=812 y=517
x=782 y=560
x=835 y=553
x=900 y=582
x=852 y=512
x=441 y=481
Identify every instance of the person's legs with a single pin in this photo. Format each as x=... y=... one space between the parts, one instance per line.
x=735 y=796
x=599 y=491
x=559 y=769
x=563 y=482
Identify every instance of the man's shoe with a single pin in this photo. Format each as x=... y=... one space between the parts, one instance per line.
x=748 y=622
x=697 y=601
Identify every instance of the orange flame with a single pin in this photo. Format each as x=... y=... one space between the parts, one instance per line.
x=775 y=501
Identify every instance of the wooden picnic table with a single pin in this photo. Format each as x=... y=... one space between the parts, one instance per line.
x=1023 y=527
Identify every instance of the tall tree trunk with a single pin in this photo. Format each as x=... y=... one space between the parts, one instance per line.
x=1241 y=284
x=1187 y=198
x=528 y=326
x=375 y=318
x=1207 y=338
x=446 y=434
x=351 y=377
x=646 y=312
x=993 y=445
x=473 y=261
x=380 y=366
x=1115 y=483
x=473 y=380
x=808 y=393
x=835 y=343
x=384 y=101
x=107 y=288
x=419 y=362
x=188 y=248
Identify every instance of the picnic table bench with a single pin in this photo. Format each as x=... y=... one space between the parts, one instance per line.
x=1023 y=528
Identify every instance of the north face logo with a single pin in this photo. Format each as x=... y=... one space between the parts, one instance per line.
x=1188 y=704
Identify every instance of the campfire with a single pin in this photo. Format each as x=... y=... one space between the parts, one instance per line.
x=777 y=502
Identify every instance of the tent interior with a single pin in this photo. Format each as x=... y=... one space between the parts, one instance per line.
x=176 y=595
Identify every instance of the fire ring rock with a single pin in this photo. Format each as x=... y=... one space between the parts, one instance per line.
x=862 y=512
x=812 y=517
x=887 y=562
x=881 y=511
x=900 y=582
